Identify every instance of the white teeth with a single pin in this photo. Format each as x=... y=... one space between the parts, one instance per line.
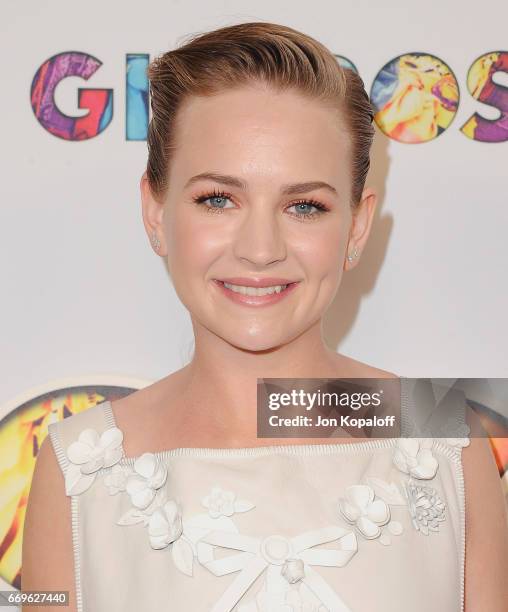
x=255 y=290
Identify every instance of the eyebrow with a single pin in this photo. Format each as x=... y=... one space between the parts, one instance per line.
x=233 y=181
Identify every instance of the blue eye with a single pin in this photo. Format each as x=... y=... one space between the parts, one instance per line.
x=221 y=198
x=319 y=208
x=221 y=204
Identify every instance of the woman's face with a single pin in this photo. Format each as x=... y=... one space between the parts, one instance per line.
x=251 y=223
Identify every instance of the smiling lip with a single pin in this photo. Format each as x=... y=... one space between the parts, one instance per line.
x=256 y=282
x=256 y=300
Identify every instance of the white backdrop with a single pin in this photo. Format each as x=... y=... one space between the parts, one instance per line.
x=84 y=300
x=84 y=294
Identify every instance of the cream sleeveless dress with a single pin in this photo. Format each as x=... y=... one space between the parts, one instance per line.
x=373 y=526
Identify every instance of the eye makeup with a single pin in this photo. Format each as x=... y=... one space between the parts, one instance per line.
x=216 y=194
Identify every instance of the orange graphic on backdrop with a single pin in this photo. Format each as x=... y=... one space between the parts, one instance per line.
x=21 y=435
x=415 y=110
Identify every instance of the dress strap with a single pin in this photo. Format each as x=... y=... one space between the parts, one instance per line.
x=433 y=410
x=94 y=421
x=109 y=417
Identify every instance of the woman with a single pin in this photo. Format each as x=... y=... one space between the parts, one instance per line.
x=258 y=154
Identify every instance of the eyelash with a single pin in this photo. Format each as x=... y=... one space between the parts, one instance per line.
x=321 y=208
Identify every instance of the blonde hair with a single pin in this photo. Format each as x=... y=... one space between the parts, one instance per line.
x=229 y=57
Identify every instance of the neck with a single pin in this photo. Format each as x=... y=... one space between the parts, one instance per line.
x=219 y=385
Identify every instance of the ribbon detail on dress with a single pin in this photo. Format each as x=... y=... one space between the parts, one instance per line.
x=275 y=552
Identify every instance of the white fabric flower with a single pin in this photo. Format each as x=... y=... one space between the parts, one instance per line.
x=293 y=570
x=88 y=454
x=149 y=474
x=458 y=442
x=137 y=515
x=414 y=456
x=165 y=525
x=224 y=503
x=426 y=507
x=462 y=430
x=360 y=508
x=220 y=502
x=116 y=480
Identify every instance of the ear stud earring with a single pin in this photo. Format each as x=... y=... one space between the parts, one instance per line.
x=155 y=241
x=355 y=254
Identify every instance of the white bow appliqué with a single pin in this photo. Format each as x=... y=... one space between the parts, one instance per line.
x=291 y=558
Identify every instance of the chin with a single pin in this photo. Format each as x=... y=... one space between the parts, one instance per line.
x=254 y=345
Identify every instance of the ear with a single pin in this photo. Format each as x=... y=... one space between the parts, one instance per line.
x=363 y=216
x=153 y=212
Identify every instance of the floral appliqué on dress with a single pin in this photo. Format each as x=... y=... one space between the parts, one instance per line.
x=290 y=581
x=414 y=456
x=88 y=454
x=368 y=514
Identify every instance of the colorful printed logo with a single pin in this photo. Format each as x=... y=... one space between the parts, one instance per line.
x=481 y=85
x=415 y=96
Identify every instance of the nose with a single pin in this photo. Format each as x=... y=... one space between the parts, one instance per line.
x=260 y=238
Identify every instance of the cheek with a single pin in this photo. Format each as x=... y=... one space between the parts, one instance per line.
x=321 y=251
x=192 y=245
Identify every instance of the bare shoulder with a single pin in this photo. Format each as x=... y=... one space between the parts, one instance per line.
x=144 y=399
x=47 y=552
x=359 y=369
x=486 y=523
x=148 y=406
